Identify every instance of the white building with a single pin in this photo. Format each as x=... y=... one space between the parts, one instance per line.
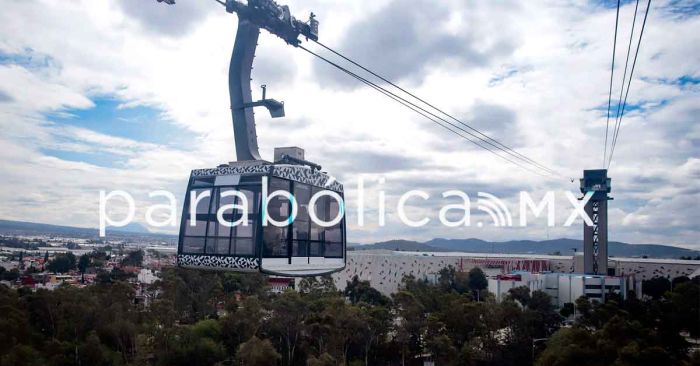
x=566 y=287
x=501 y=284
x=384 y=269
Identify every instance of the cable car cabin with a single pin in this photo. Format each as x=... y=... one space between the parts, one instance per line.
x=311 y=244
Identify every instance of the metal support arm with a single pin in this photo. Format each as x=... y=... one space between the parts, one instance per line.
x=239 y=89
x=253 y=15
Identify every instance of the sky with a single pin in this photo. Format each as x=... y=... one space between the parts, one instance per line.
x=132 y=95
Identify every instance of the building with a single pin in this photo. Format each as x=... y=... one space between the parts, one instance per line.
x=566 y=287
x=384 y=269
x=279 y=285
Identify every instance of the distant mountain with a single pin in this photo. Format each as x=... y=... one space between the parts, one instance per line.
x=562 y=246
x=400 y=245
x=134 y=227
x=8 y=227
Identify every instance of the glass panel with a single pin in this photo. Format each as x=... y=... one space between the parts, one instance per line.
x=228 y=218
x=302 y=194
x=300 y=229
x=211 y=231
x=250 y=180
x=334 y=234
x=315 y=249
x=275 y=241
x=203 y=204
x=315 y=232
x=253 y=198
x=244 y=246
x=300 y=248
x=321 y=207
x=278 y=207
x=217 y=246
x=222 y=201
x=203 y=181
x=223 y=231
x=198 y=230
x=193 y=245
x=332 y=209
x=245 y=231
x=214 y=201
x=228 y=200
x=334 y=250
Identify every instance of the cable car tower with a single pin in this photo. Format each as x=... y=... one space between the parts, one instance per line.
x=595 y=237
x=243 y=192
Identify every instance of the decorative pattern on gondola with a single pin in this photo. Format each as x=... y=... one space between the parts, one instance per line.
x=296 y=173
x=218 y=262
x=231 y=170
x=306 y=175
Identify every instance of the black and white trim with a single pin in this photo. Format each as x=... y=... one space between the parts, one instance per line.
x=233 y=169
x=297 y=173
x=222 y=262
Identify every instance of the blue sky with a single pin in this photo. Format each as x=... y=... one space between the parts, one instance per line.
x=114 y=117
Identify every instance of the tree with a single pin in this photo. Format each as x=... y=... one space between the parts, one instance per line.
x=323 y=360
x=62 y=263
x=477 y=280
x=349 y=324
x=411 y=323
x=194 y=294
x=450 y=279
x=245 y=283
x=208 y=328
x=541 y=315
x=583 y=306
x=22 y=355
x=11 y=275
x=567 y=310
x=361 y=291
x=289 y=311
x=241 y=323
x=685 y=307
x=656 y=287
x=377 y=324
x=134 y=259
x=521 y=294
x=442 y=350
x=571 y=347
x=257 y=352
x=83 y=263
x=446 y=278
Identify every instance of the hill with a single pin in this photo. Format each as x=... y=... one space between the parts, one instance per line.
x=562 y=246
x=132 y=231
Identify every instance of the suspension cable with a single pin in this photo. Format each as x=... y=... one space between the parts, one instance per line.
x=612 y=72
x=629 y=82
x=484 y=137
x=421 y=111
x=624 y=74
x=435 y=118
